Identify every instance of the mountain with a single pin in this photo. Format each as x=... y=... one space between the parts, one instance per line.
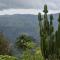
x=14 y=25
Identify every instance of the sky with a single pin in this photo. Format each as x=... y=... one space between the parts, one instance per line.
x=28 y=5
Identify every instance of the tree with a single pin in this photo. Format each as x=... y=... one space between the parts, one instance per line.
x=4 y=45
x=25 y=42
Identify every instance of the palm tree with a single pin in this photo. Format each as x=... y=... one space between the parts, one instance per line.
x=25 y=42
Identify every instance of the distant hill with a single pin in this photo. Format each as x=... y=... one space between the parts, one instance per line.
x=14 y=25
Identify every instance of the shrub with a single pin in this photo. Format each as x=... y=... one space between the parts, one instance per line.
x=32 y=55
x=6 y=57
x=25 y=42
x=4 y=45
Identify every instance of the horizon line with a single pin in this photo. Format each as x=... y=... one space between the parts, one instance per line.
x=13 y=11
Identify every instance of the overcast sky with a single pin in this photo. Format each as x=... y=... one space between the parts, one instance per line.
x=29 y=4
x=35 y=4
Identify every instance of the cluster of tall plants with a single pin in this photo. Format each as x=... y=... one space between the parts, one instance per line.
x=30 y=51
x=50 y=39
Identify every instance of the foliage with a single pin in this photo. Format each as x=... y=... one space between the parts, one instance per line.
x=44 y=33
x=6 y=57
x=31 y=52
x=25 y=42
x=32 y=55
x=45 y=9
x=4 y=44
x=50 y=40
x=57 y=35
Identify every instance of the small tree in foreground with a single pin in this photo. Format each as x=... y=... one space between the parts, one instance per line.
x=24 y=42
x=30 y=49
x=4 y=45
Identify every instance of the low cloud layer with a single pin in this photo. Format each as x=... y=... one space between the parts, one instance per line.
x=19 y=11
x=25 y=11
x=9 y=7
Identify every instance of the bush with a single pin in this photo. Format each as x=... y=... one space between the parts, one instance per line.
x=4 y=45
x=6 y=57
x=32 y=55
x=24 y=42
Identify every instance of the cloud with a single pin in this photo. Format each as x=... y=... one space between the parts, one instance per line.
x=19 y=11
x=25 y=11
x=30 y=4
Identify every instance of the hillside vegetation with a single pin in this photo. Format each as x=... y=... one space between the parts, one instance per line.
x=48 y=49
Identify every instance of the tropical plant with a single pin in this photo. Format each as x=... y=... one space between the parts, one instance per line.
x=25 y=42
